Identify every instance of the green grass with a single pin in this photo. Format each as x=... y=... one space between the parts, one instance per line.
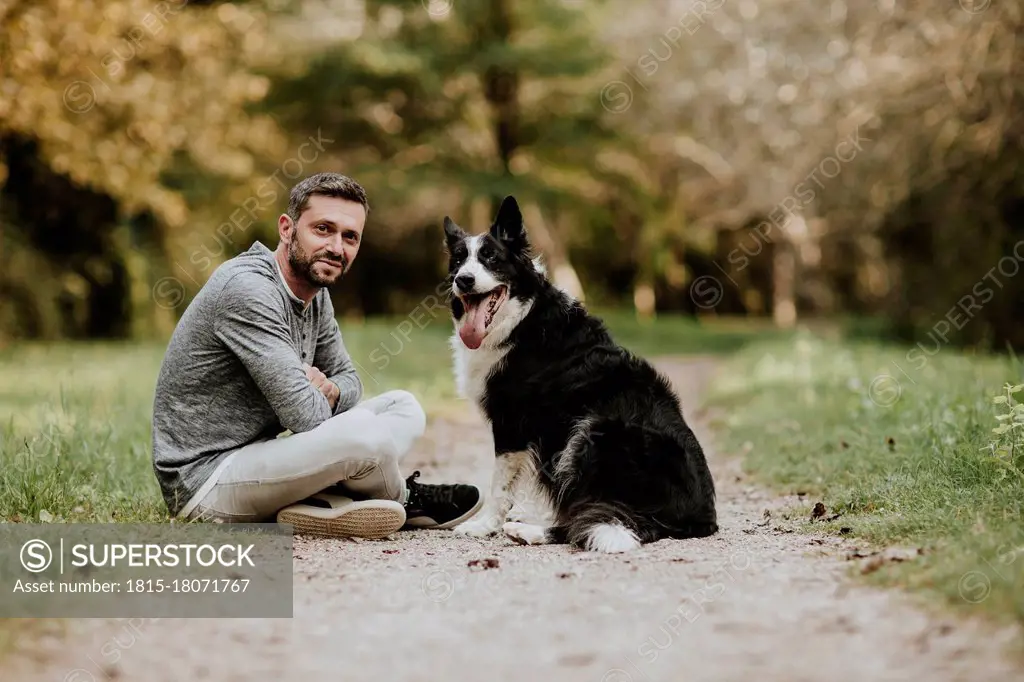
x=678 y=335
x=75 y=418
x=903 y=462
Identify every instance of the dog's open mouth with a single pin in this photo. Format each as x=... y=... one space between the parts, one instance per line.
x=480 y=312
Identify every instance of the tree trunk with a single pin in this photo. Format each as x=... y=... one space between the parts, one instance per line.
x=644 y=299
x=555 y=256
x=501 y=88
x=784 y=267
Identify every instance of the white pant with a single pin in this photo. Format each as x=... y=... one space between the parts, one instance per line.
x=359 y=449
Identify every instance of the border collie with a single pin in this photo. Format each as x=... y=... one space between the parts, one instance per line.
x=596 y=429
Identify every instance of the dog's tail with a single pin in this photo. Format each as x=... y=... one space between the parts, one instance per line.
x=609 y=527
x=597 y=527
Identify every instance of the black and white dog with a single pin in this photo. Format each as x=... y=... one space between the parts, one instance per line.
x=597 y=429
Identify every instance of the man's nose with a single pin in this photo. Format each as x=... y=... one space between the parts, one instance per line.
x=465 y=282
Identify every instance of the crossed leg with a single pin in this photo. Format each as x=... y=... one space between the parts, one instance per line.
x=358 y=450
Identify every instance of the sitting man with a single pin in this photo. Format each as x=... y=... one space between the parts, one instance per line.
x=259 y=352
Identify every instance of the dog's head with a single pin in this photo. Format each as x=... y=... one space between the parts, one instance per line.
x=492 y=275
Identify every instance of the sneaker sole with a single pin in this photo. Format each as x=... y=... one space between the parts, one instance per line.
x=430 y=525
x=374 y=520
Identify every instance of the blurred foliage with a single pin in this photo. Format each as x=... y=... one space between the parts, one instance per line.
x=112 y=98
x=97 y=105
x=144 y=143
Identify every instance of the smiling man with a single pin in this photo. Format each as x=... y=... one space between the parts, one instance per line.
x=259 y=352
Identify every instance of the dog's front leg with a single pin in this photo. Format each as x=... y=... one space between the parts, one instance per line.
x=508 y=466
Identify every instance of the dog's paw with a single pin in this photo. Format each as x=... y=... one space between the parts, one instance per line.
x=526 y=533
x=477 y=528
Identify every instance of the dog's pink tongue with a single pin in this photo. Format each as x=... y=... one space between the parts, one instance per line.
x=472 y=329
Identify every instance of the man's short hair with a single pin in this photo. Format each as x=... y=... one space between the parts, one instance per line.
x=328 y=185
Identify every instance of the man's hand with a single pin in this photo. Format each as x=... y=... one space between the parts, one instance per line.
x=320 y=382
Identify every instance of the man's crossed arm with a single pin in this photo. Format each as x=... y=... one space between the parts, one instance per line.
x=249 y=323
x=334 y=361
x=323 y=384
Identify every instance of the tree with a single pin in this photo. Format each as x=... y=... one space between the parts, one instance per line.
x=827 y=129
x=447 y=108
x=98 y=109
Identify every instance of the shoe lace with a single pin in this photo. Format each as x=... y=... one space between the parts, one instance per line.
x=426 y=494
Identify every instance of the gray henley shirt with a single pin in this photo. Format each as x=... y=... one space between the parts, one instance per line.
x=233 y=374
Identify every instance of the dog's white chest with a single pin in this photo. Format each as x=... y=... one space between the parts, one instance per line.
x=472 y=368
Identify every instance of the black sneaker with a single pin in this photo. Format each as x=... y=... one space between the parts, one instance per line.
x=440 y=506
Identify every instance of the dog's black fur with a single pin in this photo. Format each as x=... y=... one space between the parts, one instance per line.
x=639 y=464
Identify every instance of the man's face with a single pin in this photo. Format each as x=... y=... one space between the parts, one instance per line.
x=325 y=240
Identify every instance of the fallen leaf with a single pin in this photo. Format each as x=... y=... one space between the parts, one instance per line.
x=767 y=516
x=844 y=445
x=818 y=511
x=845 y=530
x=576 y=659
x=483 y=564
x=390 y=551
x=902 y=553
x=877 y=559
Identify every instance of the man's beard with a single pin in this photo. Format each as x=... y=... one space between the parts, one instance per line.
x=302 y=264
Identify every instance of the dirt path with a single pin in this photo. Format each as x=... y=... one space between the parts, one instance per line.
x=751 y=603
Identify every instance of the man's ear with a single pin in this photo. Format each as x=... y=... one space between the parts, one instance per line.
x=508 y=227
x=453 y=234
x=284 y=225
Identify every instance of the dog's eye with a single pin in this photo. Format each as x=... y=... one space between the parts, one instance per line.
x=486 y=253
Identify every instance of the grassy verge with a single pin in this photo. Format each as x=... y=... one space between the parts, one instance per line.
x=75 y=417
x=902 y=446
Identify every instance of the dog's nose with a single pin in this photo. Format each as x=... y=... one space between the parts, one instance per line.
x=465 y=282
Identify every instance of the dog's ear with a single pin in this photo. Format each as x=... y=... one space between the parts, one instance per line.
x=453 y=234
x=508 y=227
